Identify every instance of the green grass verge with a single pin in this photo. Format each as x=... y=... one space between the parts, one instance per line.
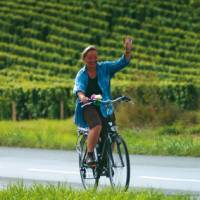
x=56 y=134
x=60 y=192
x=152 y=142
x=53 y=134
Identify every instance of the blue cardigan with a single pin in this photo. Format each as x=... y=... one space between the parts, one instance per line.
x=105 y=71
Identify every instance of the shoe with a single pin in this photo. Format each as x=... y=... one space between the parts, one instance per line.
x=90 y=160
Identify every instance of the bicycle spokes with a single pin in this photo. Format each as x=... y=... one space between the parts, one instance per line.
x=120 y=165
x=88 y=175
x=112 y=164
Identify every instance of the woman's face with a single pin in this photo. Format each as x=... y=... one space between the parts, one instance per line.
x=91 y=59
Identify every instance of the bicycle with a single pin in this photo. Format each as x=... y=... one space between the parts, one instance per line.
x=111 y=154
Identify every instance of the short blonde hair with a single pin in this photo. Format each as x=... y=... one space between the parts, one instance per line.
x=86 y=50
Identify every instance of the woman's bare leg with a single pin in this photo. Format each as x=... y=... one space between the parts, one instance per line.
x=93 y=137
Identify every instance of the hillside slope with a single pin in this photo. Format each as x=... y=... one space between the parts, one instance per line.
x=41 y=42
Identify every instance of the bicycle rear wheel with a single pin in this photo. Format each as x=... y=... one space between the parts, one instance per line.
x=119 y=164
x=88 y=175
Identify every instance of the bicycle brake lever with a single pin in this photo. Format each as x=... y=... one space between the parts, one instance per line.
x=126 y=99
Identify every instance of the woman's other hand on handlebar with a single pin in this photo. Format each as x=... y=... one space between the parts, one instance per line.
x=96 y=97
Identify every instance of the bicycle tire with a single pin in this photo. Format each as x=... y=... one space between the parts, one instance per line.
x=119 y=164
x=88 y=179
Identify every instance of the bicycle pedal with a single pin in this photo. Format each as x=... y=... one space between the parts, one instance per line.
x=92 y=166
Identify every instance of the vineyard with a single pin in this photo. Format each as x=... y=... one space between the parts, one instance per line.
x=41 y=42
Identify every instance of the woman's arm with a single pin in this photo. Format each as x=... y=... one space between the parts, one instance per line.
x=80 y=82
x=114 y=66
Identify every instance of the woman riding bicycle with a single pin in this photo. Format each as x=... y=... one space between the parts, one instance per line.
x=94 y=78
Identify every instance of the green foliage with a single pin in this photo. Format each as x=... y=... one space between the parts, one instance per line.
x=162 y=141
x=176 y=139
x=61 y=191
x=183 y=95
x=170 y=130
x=41 y=42
x=179 y=129
x=156 y=106
x=38 y=102
x=52 y=134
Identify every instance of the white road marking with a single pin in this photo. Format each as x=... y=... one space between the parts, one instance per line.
x=54 y=171
x=170 y=179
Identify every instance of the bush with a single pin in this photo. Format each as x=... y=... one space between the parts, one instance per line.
x=140 y=115
x=155 y=113
x=170 y=130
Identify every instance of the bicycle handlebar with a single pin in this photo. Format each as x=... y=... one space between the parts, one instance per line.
x=92 y=101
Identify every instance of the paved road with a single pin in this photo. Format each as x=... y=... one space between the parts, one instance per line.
x=170 y=174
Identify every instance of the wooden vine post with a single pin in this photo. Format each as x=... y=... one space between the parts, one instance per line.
x=62 y=113
x=14 y=111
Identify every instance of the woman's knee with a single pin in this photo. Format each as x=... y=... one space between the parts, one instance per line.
x=98 y=128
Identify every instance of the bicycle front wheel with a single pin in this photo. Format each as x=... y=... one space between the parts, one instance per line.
x=88 y=175
x=119 y=164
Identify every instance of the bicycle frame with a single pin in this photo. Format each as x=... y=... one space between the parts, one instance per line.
x=104 y=145
x=108 y=140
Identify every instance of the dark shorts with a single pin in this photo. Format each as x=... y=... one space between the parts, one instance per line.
x=93 y=116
